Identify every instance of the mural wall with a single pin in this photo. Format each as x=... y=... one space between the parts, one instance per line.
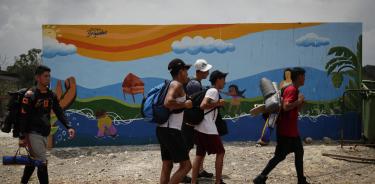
x=110 y=68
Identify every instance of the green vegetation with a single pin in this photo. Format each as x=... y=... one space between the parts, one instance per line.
x=347 y=63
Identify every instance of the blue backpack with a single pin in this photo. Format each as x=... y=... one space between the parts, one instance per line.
x=153 y=109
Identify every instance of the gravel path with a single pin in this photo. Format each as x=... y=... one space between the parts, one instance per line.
x=141 y=164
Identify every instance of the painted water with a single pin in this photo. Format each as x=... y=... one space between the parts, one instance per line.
x=241 y=128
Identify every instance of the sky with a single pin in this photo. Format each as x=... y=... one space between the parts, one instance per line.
x=21 y=21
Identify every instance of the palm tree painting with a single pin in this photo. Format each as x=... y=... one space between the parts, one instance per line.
x=346 y=63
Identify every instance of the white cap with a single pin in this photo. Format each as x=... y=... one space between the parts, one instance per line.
x=202 y=65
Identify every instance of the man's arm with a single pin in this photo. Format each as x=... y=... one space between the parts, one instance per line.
x=170 y=100
x=25 y=113
x=208 y=102
x=287 y=104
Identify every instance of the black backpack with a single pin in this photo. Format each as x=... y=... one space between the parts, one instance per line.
x=12 y=121
x=195 y=115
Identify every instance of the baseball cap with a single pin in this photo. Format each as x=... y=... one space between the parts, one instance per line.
x=202 y=65
x=177 y=64
x=217 y=75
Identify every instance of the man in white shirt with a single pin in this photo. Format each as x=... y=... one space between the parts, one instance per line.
x=206 y=135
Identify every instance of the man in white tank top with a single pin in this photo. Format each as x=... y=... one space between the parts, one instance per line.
x=172 y=145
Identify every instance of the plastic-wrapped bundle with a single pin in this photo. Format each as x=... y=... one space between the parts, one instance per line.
x=267 y=88
x=271 y=95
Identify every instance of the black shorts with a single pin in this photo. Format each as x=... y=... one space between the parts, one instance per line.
x=172 y=144
x=188 y=135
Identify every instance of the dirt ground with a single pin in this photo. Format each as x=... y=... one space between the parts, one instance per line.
x=141 y=164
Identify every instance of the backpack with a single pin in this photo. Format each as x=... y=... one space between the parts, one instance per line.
x=191 y=80
x=152 y=108
x=12 y=118
x=195 y=115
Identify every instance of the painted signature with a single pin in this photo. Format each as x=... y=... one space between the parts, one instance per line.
x=94 y=32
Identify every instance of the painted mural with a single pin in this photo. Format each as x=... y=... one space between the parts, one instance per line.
x=110 y=68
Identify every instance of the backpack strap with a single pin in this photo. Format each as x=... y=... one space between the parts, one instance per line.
x=215 y=107
x=211 y=110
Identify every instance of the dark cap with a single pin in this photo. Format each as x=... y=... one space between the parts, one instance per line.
x=177 y=64
x=217 y=75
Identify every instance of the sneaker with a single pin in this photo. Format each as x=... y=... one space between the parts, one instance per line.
x=260 y=179
x=303 y=181
x=222 y=182
x=186 y=179
x=205 y=174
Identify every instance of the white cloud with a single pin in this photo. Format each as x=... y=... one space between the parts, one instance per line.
x=52 y=48
x=199 y=44
x=312 y=40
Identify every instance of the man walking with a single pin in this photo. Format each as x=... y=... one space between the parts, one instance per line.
x=288 y=139
x=206 y=135
x=172 y=145
x=35 y=122
x=193 y=86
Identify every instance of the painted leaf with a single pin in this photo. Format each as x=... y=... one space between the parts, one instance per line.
x=337 y=79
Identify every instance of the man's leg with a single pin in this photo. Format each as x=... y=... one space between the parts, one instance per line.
x=166 y=171
x=280 y=153
x=38 y=149
x=27 y=173
x=38 y=145
x=219 y=166
x=184 y=168
x=196 y=165
x=279 y=156
x=298 y=155
x=43 y=174
x=201 y=165
x=29 y=170
x=203 y=173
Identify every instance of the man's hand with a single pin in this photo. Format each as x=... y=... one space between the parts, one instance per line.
x=188 y=104
x=22 y=143
x=72 y=133
x=221 y=103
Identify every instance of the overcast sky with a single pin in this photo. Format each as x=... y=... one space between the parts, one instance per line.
x=21 y=21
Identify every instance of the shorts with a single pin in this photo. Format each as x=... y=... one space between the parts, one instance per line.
x=172 y=145
x=37 y=145
x=206 y=143
x=188 y=135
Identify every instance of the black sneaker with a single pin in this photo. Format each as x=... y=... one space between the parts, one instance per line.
x=222 y=182
x=186 y=179
x=260 y=179
x=303 y=181
x=205 y=174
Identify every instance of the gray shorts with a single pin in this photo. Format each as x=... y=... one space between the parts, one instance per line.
x=38 y=147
